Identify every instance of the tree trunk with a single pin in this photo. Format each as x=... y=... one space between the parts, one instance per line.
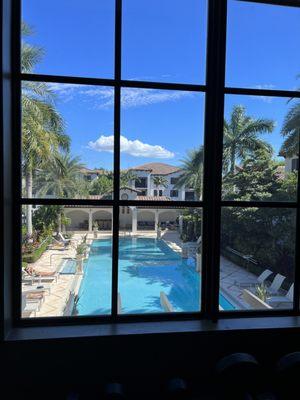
x=232 y=159
x=29 y=206
x=59 y=229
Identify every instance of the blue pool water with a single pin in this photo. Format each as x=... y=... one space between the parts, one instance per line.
x=146 y=268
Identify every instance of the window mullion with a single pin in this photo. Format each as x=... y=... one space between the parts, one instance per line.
x=117 y=123
x=214 y=109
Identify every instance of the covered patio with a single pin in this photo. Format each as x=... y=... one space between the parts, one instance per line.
x=132 y=219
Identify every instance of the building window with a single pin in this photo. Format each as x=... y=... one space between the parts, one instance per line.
x=295 y=164
x=189 y=196
x=141 y=183
x=240 y=210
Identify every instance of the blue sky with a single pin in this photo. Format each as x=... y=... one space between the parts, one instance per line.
x=163 y=40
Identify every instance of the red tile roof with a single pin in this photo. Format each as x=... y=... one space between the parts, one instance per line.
x=153 y=198
x=157 y=168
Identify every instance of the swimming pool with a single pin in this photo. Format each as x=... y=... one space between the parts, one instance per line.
x=146 y=268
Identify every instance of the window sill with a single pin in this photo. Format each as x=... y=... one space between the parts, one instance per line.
x=150 y=328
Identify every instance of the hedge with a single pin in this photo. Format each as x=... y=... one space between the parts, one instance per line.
x=36 y=254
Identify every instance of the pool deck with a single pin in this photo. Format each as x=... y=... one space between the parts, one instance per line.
x=56 y=301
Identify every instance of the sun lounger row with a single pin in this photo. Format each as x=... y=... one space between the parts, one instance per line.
x=272 y=289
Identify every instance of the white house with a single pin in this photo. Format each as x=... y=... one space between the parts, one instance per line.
x=134 y=218
x=291 y=164
x=145 y=183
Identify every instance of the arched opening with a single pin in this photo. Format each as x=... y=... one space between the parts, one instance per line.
x=168 y=219
x=79 y=220
x=145 y=220
x=103 y=218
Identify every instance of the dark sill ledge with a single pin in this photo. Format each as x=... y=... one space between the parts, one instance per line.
x=149 y=328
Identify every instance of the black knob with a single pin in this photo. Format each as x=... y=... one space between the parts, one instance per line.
x=288 y=372
x=114 y=390
x=72 y=396
x=177 y=388
x=237 y=376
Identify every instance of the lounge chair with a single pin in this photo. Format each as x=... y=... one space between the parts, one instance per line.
x=63 y=239
x=41 y=276
x=36 y=289
x=29 y=307
x=288 y=298
x=259 y=280
x=276 y=284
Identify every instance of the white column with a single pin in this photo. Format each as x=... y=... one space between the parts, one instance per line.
x=134 y=220
x=182 y=192
x=180 y=223
x=90 y=221
x=156 y=220
x=149 y=189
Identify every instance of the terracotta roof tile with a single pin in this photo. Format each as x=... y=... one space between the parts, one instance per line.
x=157 y=168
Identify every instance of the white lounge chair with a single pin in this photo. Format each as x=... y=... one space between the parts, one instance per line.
x=39 y=277
x=259 y=280
x=288 y=298
x=29 y=307
x=63 y=239
x=276 y=284
x=36 y=289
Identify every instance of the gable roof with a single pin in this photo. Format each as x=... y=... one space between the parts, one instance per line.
x=157 y=168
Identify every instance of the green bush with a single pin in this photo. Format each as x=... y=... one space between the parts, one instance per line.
x=33 y=256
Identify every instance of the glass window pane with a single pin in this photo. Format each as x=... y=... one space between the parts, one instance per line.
x=164 y=41
x=262 y=49
x=159 y=268
x=258 y=257
x=161 y=144
x=66 y=260
x=73 y=38
x=260 y=148
x=67 y=141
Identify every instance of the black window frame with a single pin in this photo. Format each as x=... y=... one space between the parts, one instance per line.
x=172 y=192
x=211 y=205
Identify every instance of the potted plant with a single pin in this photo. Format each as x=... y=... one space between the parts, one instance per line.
x=80 y=254
x=95 y=229
x=262 y=292
x=158 y=231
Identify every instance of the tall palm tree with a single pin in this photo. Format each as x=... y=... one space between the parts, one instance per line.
x=291 y=132
x=60 y=178
x=42 y=126
x=160 y=181
x=192 y=171
x=241 y=136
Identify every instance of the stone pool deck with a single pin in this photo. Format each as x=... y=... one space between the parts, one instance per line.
x=55 y=302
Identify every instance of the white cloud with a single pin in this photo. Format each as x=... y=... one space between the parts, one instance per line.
x=135 y=148
x=103 y=97
x=132 y=97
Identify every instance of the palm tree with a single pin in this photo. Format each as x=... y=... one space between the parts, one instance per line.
x=60 y=178
x=241 y=136
x=42 y=127
x=160 y=181
x=192 y=171
x=291 y=132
